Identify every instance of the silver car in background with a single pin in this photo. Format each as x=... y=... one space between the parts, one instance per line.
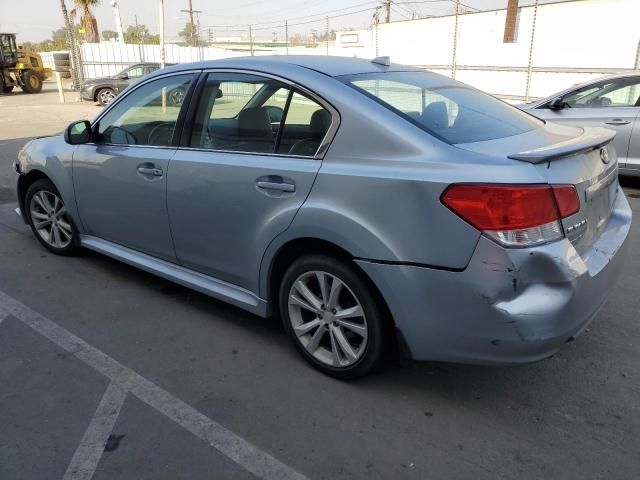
x=368 y=204
x=611 y=102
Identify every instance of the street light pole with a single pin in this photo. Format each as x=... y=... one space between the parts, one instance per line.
x=161 y=27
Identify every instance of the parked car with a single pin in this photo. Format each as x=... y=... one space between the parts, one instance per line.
x=612 y=102
x=103 y=90
x=365 y=203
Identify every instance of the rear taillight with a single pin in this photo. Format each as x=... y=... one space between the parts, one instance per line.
x=514 y=215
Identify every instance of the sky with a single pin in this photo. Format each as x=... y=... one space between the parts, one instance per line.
x=33 y=20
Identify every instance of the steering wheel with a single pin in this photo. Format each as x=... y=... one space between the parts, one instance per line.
x=121 y=136
x=161 y=134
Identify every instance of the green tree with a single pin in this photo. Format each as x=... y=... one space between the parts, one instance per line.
x=140 y=34
x=88 y=21
x=108 y=35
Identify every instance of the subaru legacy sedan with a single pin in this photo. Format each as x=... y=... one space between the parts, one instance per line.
x=373 y=207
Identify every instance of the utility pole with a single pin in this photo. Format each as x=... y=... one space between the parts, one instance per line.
x=194 y=32
x=286 y=37
x=116 y=13
x=251 y=40
x=455 y=41
x=387 y=10
x=161 y=28
x=531 y=45
x=326 y=33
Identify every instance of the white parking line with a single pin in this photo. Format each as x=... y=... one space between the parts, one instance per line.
x=85 y=460
x=243 y=453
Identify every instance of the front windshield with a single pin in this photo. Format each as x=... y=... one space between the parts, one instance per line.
x=443 y=107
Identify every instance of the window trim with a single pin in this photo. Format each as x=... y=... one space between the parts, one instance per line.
x=179 y=121
x=545 y=103
x=293 y=86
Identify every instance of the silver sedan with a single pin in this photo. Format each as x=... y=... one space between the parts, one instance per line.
x=611 y=102
x=369 y=205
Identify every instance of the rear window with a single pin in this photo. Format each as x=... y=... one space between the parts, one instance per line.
x=443 y=107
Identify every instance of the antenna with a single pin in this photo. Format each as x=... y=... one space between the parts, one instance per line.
x=384 y=61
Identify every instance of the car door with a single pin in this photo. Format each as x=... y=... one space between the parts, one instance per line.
x=241 y=175
x=120 y=178
x=611 y=103
x=633 y=158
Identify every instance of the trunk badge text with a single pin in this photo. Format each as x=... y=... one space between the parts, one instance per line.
x=576 y=226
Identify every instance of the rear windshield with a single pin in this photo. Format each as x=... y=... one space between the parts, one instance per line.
x=443 y=107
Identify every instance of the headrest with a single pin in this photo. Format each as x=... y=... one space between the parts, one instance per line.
x=436 y=116
x=320 y=123
x=255 y=121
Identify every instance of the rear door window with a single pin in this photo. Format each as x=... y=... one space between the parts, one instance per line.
x=249 y=113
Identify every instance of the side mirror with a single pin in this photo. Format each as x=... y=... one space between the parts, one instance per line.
x=78 y=133
x=556 y=104
x=123 y=76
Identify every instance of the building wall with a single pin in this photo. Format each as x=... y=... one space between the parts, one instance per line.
x=595 y=35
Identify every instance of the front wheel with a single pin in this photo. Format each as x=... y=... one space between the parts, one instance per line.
x=31 y=82
x=333 y=316
x=105 y=96
x=48 y=218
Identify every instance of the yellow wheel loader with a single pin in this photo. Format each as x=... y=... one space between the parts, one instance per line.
x=20 y=67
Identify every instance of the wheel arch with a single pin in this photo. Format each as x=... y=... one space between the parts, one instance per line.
x=98 y=88
x=296 y=247
x=24 y=182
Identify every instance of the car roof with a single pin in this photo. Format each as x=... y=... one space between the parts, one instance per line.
x=328 y=65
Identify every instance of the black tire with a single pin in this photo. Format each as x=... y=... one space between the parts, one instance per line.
x=31 y=82
x=45 y=185
x=60 y=56
x=377 y=322
x=7 y=88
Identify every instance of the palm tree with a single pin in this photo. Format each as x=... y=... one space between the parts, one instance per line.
x=87 y=20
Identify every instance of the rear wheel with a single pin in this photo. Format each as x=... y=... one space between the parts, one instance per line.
x=105 y=96
x=7 y=88
x=48 y=218
x=333 y=316
x=31 y=82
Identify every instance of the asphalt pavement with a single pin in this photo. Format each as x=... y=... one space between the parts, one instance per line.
x=108 y=372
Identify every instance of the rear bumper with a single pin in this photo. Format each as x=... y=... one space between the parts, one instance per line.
x=509 y=306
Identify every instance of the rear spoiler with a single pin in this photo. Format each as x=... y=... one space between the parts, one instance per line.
x=591 y=139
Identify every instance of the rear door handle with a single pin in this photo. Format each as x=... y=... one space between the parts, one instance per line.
x=618 y=121
x=282 y=186
x=155 y=171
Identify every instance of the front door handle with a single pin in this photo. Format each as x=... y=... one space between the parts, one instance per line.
x=618 y=121
x=281 y=185
x=154 y=171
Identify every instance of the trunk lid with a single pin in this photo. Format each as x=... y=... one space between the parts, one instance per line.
x=583 y=157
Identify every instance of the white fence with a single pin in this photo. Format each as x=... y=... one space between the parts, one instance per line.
x=574 y=41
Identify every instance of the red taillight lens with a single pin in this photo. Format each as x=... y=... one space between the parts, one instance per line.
x=514 y=215
x=567 y=199
x=502 y=207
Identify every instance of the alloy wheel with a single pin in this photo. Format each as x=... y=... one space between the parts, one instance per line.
x=50 y=219
x=176 y=97
x=106 y=96
x=327 y=319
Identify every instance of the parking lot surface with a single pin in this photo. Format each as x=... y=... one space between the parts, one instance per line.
x=108 y=372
